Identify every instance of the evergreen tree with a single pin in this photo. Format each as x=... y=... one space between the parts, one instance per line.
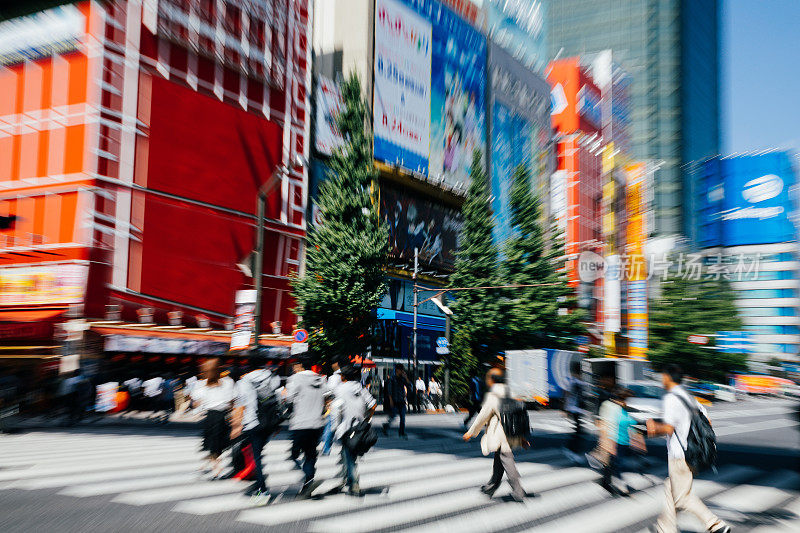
x=686 y=307
x=347 y=252
x=532 y=314
x=476 y=322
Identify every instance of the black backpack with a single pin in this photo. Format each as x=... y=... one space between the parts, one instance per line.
x=270 y=410
x=514 y=418
x=360 y=438
x=700 y=450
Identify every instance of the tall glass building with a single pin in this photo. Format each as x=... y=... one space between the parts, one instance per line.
x=671 y=50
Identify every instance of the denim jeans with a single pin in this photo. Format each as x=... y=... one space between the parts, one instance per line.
x=327 y=436
x=349 y=469
x=398 y=409
x=257 y=442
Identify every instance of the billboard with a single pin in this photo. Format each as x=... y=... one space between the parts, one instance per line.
x=518 y=26
x=520 y=131
x=747 y=200
x=415 y=222
x=428 y=100
x=43 y=284
x=402 y=86
x=575 y=97
x=329 y=102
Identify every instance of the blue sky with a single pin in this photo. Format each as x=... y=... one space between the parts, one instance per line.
x=760 y=75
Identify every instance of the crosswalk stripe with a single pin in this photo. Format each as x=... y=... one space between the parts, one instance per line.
x=612 y=516
x=433 y=482
x=788 y=519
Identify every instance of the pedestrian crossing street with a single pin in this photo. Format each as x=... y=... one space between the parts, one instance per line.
x=424 y=484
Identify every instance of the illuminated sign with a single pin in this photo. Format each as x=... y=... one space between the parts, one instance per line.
x=45 y=284
x=589 y=105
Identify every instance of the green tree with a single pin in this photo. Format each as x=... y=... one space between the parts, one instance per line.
x=346 y=255
x=694 y=307
x=476 y=320
x=535 y=317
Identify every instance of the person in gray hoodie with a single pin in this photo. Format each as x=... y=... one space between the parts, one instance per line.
x=352 y=404
x=306 y=393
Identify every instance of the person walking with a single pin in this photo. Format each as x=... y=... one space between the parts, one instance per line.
x=420 y=398
x=398 y=388
x=435 y=393
x=151 y=390
x=306 y=393
x=352 y=404
x=245 y=421
x=678 y=485
x=621 y=439
x=574 y=409
x=475 y=399
x=214 y=398
x=494 y=439
x=327 y=434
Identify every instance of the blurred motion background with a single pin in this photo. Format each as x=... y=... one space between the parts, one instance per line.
x=143 y=143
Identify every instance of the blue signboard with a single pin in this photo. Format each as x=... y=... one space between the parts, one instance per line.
x=746 y=200
x=448 y=77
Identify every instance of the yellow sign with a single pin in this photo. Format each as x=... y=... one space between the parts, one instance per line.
x=41 y=285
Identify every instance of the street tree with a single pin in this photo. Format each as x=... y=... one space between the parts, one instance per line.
x=688 y=306
x=476 y=319
x=346 y=253
x=542 y=316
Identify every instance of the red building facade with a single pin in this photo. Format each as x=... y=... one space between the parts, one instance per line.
x=133 y=149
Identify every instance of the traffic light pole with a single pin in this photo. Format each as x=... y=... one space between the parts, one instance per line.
x=259 y=261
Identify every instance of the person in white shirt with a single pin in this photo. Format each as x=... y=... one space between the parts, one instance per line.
x=678 y=485
x=214 y=399
x=419 y=386
x=151 y=390
x=351 y=405
x=435 y=393
x=245 y=418
x=327 y=433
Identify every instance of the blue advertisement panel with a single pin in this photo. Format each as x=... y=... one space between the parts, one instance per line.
x=519 y=27
x=559 y=363
x=520 y=132
x=747 y=200
x=430 y=67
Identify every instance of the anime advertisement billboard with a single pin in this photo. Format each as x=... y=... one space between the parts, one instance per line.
x=415 y=222
x=428 y=101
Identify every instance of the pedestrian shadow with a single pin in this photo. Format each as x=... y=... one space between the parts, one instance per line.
x=750 y=520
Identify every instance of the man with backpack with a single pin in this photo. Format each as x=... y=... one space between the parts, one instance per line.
x=351 y=411
x=306 y=392
x=256 y=416
x=495 y=440
x=691 y=448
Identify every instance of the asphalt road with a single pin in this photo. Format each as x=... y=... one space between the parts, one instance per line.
x=145 y=478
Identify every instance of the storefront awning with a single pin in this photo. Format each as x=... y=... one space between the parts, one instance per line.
x=29 y=315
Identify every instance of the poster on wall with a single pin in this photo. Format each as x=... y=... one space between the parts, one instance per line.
x=44 y=284
x=244 y=321
x=430 y=67
x=402 y=89
x=418 y=223
x=329 y=102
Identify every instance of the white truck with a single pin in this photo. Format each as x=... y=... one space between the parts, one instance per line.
x=539 y=375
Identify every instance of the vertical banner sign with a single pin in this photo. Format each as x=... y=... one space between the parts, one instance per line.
x=329 y=102
x=636 y=268
x=611 y=301
x=402 y=89
x=244 y=321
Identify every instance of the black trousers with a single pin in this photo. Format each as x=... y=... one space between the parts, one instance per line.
x=577 y=435
x=257 y=441
x=305 y=441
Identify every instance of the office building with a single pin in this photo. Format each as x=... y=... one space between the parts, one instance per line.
x=671 y=51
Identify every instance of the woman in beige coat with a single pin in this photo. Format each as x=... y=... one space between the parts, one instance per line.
x=494 y=439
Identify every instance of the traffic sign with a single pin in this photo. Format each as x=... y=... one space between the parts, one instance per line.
x=697 y=339
x=442 y=346
x=300 y=335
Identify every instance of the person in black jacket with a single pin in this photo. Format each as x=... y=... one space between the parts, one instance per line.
x=398 y=388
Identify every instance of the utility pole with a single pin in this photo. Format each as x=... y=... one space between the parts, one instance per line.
x=446 y=357
x=258 y=267
x=416 y=296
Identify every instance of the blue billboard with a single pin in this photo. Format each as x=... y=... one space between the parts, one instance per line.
x=428 y=99
x=746 y=200
x=520 y=131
